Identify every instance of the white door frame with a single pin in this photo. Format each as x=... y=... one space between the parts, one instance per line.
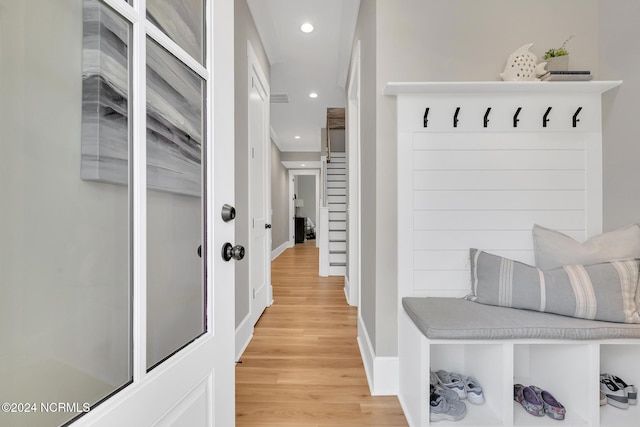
x=197 y=384
x=352 y=284
x=292 y=210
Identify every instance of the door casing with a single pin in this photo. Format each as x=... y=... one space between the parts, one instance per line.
x=352 y=282
x=263 y=297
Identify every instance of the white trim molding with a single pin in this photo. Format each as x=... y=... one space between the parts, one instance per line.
x=280 y=249
x=382 y=372
x=346 y=289
x=244 y=335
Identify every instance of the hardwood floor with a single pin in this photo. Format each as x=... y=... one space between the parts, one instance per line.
x=303 y=367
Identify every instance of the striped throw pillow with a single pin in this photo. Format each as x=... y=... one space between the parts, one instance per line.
x=603 y=291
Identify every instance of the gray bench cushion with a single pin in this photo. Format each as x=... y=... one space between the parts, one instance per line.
x=457 y=318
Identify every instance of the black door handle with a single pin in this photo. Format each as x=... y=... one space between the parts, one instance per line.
x=229 y=251
x=267 y=226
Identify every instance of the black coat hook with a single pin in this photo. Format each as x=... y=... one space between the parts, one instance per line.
x=486 y=116
x=575 y=117
x=455 y=118
x=515 y=117
x=545 y=119
x=426 y=113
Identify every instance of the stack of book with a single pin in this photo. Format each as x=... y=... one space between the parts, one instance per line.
x=566 y=76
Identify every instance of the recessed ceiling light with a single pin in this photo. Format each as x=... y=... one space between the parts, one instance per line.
x=313 y=95
x=303 y=164
x=306 y=27
x=297 y=137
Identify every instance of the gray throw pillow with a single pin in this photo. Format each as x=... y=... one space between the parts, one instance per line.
x=554 y=249
x=603 y=291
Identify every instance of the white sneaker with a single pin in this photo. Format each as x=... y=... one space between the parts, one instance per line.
x=616 y=396
x=630 y=390
x=473 y=390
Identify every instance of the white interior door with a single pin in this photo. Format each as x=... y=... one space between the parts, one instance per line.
x=183 y=337
x=259 y=199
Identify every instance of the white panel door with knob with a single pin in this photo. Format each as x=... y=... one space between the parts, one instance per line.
x=260 y=190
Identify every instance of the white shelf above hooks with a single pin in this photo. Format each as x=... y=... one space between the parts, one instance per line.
x=593 y=86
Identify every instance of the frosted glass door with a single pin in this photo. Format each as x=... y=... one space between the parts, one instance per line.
x=65 y=295
x=175 y=274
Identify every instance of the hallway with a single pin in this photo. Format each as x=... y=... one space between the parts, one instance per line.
x=303 y=367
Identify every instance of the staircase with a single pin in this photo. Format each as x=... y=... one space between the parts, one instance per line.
x=336 y=199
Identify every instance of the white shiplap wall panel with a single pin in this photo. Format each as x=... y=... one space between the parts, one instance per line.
x=451 y=240
x=486 y=141
x=477 y=186
x=498 y=159
x=517 y=180
x=498 y=199
x=441 y=259
x=469 y=219
x=459 y=260
x=445 y=280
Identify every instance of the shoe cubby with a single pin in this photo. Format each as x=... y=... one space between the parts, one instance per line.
x=568 y=369
x=623 y=360
x=483 y=361
x=565 y=370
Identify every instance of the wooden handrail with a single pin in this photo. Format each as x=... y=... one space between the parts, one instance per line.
x=335 y=120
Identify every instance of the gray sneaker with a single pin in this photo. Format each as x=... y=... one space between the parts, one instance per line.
x=445 y=409
x=444 y=392
x=452 y=381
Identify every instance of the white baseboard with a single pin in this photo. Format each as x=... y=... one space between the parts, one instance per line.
x=347 y=292
x=366 y=352
x=346 y=289
x=386 y=376
x=278 y=251
x=244 y=334
x=382 y=372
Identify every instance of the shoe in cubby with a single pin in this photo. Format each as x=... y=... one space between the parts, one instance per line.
x=616 y=396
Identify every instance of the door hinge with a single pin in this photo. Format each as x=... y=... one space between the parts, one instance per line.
x=254 y=293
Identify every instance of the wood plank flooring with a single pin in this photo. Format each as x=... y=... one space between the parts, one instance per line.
x=303 y=367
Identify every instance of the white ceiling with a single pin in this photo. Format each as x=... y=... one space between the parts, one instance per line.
x=303 y=63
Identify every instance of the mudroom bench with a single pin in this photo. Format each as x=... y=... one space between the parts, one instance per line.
x=502 y=346
x=478 y=164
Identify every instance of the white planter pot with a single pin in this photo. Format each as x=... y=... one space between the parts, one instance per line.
x=558 y=63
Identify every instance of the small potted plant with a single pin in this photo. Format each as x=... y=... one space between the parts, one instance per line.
x=558 y=58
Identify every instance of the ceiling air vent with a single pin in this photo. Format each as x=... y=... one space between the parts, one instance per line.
x=279 y=98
